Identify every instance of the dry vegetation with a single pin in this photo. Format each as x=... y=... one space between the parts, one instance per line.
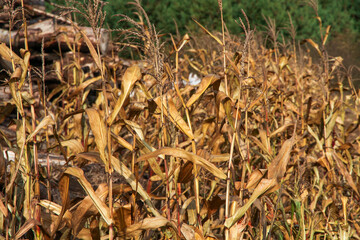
x=265 y=147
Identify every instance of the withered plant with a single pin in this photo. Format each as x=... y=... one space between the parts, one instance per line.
x=266 y=146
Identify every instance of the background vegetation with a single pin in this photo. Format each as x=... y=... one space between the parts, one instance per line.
x=172 y=16
x=342 y=15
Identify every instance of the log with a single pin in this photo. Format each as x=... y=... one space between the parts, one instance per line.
x=52 y=33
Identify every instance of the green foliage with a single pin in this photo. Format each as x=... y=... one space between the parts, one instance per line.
x=342 y=15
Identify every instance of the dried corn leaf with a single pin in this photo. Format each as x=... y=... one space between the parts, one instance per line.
x=74 y=145
x=100 y=132
x=255 y=178
x=175 y=116
x=179 y=153
x=29 y=224
x=84 y=85
x=122 y=142
x=208 y=32
x=86 y=209
x=277 y=167
x=126 y=173
x=64 y=193
x=152 y=161
x=343 y=170
x=264 y=187
x=132 y=74
x=92 y=50
x=16 y=96
x=204 y=85
x=100 y=205
x=315 y=45
x=9 y=55
x=146 y=224
x=48 y=120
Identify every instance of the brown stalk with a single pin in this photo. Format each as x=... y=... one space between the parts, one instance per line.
x=36 y=212
x=224 y=47
x=230 y=165
x=193 y=146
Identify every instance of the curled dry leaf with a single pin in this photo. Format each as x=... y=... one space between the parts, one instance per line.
x=100 y=205
x=205 y=83
x=179 y=153
x=277 y=167
x=314 y=44
x=74 y=145
x=121 y=168
x=255 y=178
x=132 y=74
x=146 y=224
x=65 y=201
x=100 y=132
x=86 y=208
x=175 y=116
x=342 y=169
x=48 y=120
x=9 y=55
x=266 y=186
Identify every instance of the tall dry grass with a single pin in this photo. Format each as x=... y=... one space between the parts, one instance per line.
x=265 y=147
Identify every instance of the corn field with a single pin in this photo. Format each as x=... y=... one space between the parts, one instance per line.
x=205 y=136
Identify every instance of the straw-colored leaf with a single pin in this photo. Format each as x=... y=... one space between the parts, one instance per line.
x=99 y=130
x=86 y=207
x=205 y=84
x=136 y=128
x=283 y=61
x=100 y=205
x=51 y=206
x=26 y=60
x=140 y=135
x=92 y=50
x=48 y=120
x=16 y=75
x=343 y=170
x=8 y=55
x=74 y=145
x=328 y=28
x=264 y=187
x=146 y=224
x=132 y=74
x=127 y=174
x=318 y=142
x=122 y=142
x=179 y=153
x=64 y=194
x=225 y=100
x=255 y=178
x=16 y=96
x=208 y=32
x=277 y=167
x=175 y=116
x=84 y=85
x=315 y=45
x=29 y=224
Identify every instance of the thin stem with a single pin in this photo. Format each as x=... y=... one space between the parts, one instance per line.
x=227 y=201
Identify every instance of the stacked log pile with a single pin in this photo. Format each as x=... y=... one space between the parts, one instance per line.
x=52 y=40
x=54 y=33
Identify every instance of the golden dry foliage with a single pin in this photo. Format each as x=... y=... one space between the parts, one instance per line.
x=263 y=146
